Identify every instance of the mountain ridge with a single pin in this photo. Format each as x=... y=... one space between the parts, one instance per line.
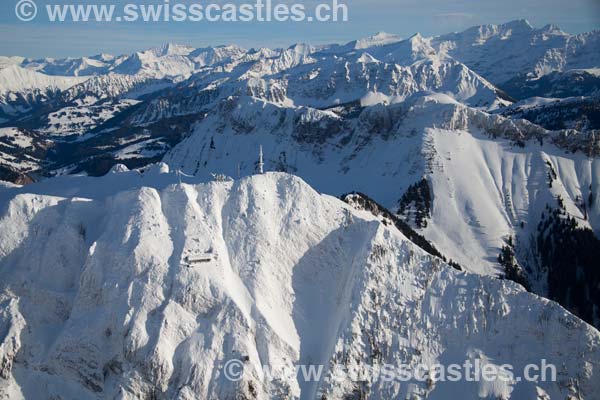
x=426 y=127
x=124 y=316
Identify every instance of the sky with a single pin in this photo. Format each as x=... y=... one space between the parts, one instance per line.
x=40 y=38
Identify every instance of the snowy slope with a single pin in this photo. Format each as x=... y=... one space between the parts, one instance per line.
x=22 y=90
x=97 y=301
x=484 y=183
x=379 y=39
x=17 y=79
x=84 y=66
x=21 y=153
x=377 y=115
x=8 y=61
x=156 y=63
x=517 y=50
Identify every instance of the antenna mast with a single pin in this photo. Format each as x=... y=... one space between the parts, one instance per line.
x=261 y=164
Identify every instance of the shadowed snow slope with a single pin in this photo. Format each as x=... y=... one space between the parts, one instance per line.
x=100 y=296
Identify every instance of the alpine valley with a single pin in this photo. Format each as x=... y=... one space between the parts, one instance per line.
x=426 y=200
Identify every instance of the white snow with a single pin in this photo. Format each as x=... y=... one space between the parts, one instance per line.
x=502 y=52
x=98 y=298
x=483 y=187
x=16 y=137
x=17 y=79
x=379 y=39
x=95 y=288
x=80 y=119
x=8 y=61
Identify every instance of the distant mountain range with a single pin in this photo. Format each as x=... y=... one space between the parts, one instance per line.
x=478 y=149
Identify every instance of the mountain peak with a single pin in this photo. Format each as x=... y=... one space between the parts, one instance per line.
x=302 y=48
x=416 y=38
x=171 y=49
x=412 y=49
x=262 y=258
x=6 y=61
x=552 y=28
x=518 y=24
x=103 y=57
x=379 y=39
x=385 y=36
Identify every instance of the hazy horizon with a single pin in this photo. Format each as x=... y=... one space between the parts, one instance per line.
x=404 y=18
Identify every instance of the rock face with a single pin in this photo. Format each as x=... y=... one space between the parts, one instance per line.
x=134 y=286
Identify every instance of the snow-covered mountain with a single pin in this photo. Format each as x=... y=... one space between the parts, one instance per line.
x=21 y=90
x=488 y=174
x=17 y=79
x=289 y=277
x=84 y=66
x=378 y=115
x=482 y=147
x=516 y=55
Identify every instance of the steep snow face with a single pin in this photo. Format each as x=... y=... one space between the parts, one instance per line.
x=99 y=298
x=500 y=190
x=488 y=174
x=503 y=52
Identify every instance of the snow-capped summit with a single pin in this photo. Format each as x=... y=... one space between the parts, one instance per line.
x=168 y=61
x=215 y=55
x=379 y=39
x=8 y=61
x=104 y=57
x=144 y=287
x=170 y=49
x=516 y=25
x=516 y=49
x=553 y=29
x=84 y=66
x=414 y=49
x=287 y=59
x=423 y=125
